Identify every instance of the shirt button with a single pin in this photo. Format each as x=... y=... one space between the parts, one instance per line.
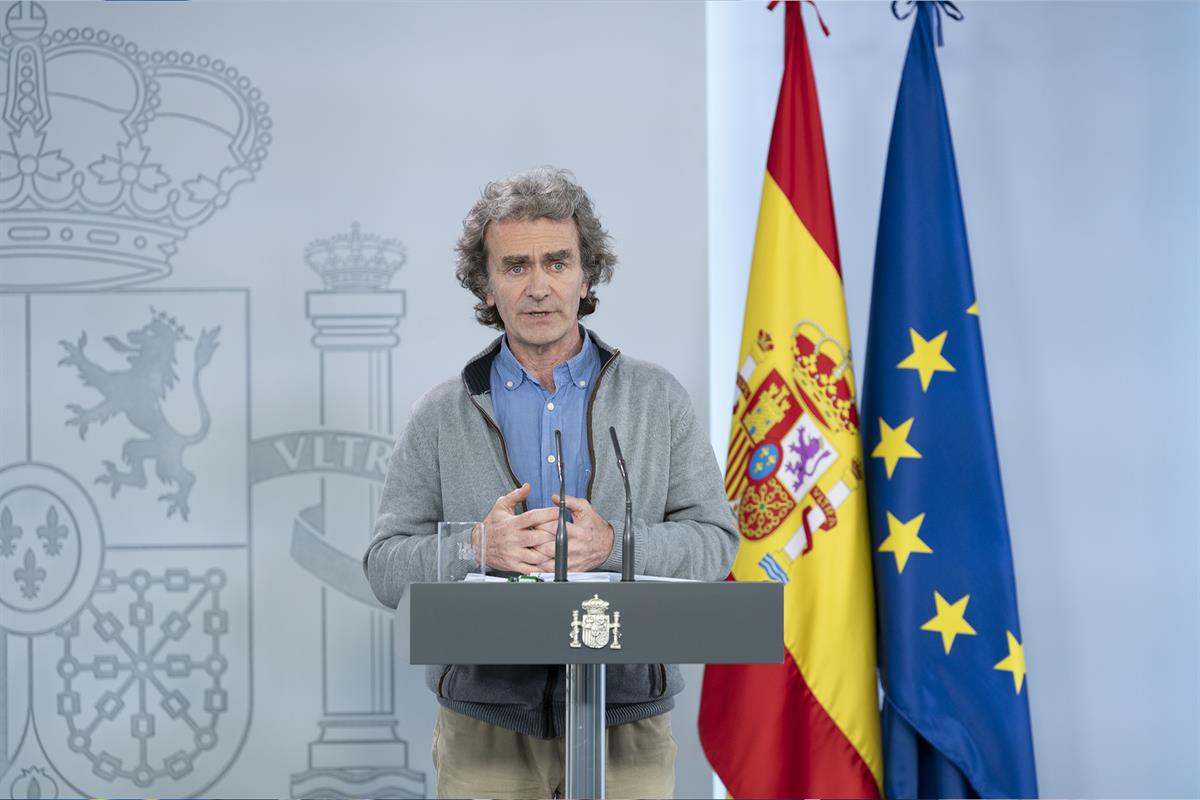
x=508 y=384
x=582 y=383
x=550 y=459
x=549 y=406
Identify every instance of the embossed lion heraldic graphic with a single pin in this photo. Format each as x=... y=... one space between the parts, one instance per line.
x=109 y=154
x=137 y=393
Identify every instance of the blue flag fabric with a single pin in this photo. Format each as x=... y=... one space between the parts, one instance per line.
x=956 y=713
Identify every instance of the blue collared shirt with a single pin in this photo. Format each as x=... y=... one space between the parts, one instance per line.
x=528 y=415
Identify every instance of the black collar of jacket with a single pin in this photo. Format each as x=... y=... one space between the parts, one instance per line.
x=477 y=375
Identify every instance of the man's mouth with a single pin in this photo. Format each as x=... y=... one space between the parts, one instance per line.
x=538 y=314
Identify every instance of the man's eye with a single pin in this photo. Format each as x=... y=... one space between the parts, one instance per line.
x=558 y=266
x=516 y=270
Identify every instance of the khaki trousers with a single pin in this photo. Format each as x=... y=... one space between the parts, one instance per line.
x=478 y=759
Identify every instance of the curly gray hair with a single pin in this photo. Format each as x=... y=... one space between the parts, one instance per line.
x=544 y=193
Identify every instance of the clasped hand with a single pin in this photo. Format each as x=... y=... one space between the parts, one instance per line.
x=525 y=542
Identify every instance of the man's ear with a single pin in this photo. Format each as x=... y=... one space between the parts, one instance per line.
x=583 y=290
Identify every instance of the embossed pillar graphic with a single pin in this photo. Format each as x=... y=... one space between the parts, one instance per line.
x=357 y=751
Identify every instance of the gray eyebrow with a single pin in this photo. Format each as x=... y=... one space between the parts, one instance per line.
x=520 y=260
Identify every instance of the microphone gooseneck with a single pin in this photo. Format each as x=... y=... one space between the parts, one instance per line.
x=560 y=535
x=627 y=534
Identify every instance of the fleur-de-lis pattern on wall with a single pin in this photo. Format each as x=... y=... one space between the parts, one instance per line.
x=9 y=533
x=52 y=533
x=29 y=576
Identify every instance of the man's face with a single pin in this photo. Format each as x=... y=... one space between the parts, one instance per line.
x=535 y=281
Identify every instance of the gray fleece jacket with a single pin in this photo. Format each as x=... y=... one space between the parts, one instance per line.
x=451 y=463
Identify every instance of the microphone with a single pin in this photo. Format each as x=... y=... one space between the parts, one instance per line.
x=560 y=535
x=627 y=534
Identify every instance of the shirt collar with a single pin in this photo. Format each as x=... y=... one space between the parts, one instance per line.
x=583 y=364
x=507 y=366
x=579 y=367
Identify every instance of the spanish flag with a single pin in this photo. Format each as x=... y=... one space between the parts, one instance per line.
x=808 y=727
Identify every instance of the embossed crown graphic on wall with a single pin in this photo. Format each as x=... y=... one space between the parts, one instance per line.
x=357 y=261
x=110 y=154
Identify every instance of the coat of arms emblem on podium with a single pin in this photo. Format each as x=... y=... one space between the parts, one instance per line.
x=596 y=628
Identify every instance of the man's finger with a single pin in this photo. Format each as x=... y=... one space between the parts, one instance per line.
x=574 y=529
x=576 y=505
x=509 y=538
x=535 y=517
x=518 y=559
x=527 y=556
x=533 y=537
x=509 y=501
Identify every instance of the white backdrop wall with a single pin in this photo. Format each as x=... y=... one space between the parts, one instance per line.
x=1075 y=127
x=231 y=654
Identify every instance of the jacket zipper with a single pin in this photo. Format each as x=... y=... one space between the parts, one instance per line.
x=503 y=446
x=592 y=402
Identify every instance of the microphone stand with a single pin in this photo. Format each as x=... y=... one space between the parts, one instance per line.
x=627 y=534
x=585 y=695
x=560 y=535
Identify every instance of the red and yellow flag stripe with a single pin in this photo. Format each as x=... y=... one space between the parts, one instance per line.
x=808 y=727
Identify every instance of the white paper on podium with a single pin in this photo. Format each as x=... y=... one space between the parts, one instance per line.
x=478 y=577
x=582 y=577
x=577 y=577
x=662 y=579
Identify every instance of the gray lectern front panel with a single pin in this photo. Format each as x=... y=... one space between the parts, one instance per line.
x=562 y=623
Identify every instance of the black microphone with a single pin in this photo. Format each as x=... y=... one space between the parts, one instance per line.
x=560 y=536
x=627 y=534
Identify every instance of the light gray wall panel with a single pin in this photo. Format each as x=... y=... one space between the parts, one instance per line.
x=213 y=635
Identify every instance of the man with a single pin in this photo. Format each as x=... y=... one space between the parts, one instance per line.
x=482 y=446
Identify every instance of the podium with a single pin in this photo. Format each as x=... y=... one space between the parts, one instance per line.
x=586 y=625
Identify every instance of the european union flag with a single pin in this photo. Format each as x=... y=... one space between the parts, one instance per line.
x=956 y=713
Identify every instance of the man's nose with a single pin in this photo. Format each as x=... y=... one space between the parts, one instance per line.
x=539 y=285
